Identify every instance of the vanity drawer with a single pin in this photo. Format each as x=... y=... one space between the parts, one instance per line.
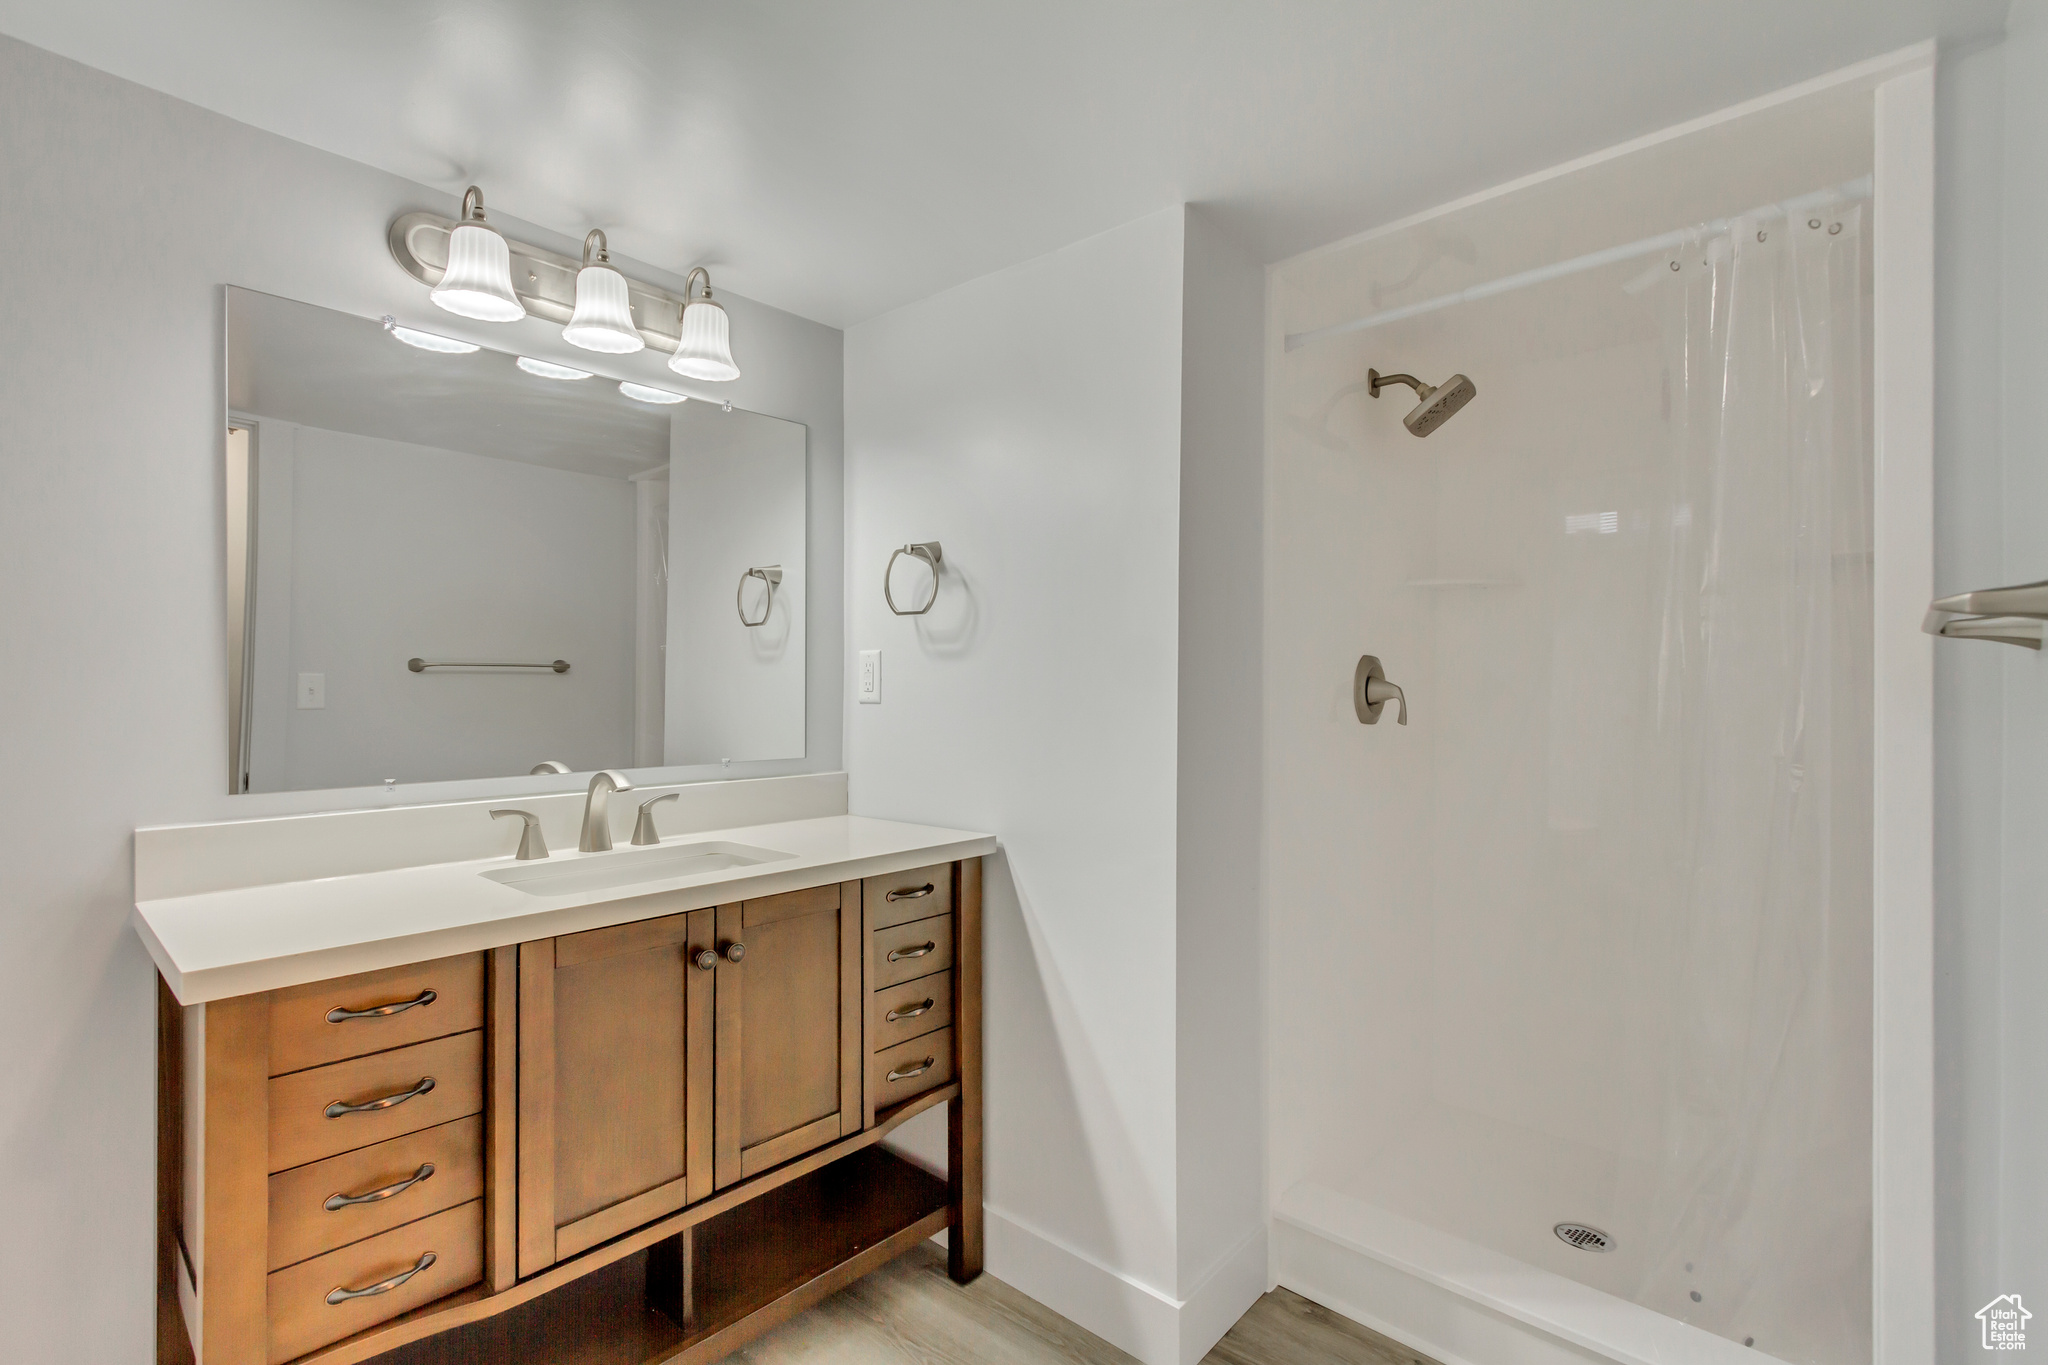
x=352 y=1016
x=426 y=1172
x=904 y=952
x=301 y=1129
x=901 y=897
x=920 y=1007
x=909 y=1069
x=301 y=1318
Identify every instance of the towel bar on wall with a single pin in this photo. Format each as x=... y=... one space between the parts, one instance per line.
x=2009 y=616
x=771 y=574
x=422 y=665
x=929 y=552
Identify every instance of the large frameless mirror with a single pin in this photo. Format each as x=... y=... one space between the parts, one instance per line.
x=460 y=564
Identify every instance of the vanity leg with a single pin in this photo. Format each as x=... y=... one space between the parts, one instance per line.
x=963 y=1115
x=671 y=1277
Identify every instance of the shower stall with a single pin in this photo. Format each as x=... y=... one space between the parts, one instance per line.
x=1572 y=1024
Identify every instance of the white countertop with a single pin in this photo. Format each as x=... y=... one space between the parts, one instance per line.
x=257 y=938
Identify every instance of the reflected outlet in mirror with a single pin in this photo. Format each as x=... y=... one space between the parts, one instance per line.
x=607 y=871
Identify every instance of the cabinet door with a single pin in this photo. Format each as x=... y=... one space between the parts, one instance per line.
x=789 y=1056
x=615 y=1082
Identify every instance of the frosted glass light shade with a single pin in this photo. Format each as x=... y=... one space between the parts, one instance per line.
x=478 y=282
x=706 y=349
x=641 y=393
x=603 y=320
x=548 y=369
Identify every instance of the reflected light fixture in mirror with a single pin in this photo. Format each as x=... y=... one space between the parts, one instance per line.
x=548 y=369
x=427 y=341
x=705 y=351
x=478 y=281
x=603 y=320
x=640 y=393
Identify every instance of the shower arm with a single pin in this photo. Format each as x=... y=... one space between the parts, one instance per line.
x=1375 y=381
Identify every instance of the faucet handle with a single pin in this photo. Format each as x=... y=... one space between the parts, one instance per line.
x=1370 y=691
x=643 y=828
x=531 y=844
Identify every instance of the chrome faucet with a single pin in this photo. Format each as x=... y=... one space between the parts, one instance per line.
x=597 y=813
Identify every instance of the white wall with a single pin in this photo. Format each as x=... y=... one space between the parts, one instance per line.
x=519 y=562
x=1032 y=422
x=736 y=502
x=1220 y=944
x=126 y=212
x=1991 y=702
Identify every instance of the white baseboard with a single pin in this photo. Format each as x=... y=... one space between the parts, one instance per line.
x=1126 y=1312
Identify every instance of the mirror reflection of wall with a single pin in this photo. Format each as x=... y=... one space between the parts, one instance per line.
x=398 y=504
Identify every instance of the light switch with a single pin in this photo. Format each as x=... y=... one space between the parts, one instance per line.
x=869 y=690
x=312 y=691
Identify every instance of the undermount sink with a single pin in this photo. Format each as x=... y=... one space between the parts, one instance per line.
x=604 y=871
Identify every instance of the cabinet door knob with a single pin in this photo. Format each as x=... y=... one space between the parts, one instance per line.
x=705 y=959
x=735 y=951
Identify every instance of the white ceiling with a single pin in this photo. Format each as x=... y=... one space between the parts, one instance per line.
x=838 y=159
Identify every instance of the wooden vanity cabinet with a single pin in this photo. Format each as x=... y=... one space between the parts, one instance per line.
x=689 y=1086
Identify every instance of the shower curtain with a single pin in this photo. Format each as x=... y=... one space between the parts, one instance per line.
x=1759 y=784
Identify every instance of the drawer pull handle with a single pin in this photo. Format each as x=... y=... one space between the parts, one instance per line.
x=338 y=1015
x=339 y=1107
x=338 y=1295
x=911 y=893
x=337 y=1202
x=909 y=1012
x=898 y=954
x=926 y=1065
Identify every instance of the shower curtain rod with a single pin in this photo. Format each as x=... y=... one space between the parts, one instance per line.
x=1648 y=246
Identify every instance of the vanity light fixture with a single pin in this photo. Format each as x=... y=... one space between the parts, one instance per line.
x=640 y=393
x=548 y=369
x=599 y=308
x=478 y=281
x=603 y=320
x=427 y=341
x=705 y=350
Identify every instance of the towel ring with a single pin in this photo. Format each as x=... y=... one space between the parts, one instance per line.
x=930 y=553
x=771 y=575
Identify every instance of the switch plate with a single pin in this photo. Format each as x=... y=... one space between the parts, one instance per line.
x=312 y=691
x=868 y=687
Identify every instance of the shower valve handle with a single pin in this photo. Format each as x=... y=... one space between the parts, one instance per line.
x=1371 y=691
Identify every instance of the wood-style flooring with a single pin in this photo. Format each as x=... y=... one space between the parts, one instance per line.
x=909 y=1313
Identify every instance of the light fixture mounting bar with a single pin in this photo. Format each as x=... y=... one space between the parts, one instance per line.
x=544 y=280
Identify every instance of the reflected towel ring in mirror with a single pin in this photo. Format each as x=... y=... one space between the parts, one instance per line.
x=929 y=552
x=770 y=574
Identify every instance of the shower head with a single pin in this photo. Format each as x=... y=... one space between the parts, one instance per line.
x=1439 y=401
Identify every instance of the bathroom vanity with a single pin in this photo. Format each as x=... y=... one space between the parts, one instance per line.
x=441 y=1112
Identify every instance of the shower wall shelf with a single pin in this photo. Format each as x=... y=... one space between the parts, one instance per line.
x=2017 y=615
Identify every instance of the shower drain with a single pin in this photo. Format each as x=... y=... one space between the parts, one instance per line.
x=1584 y=1237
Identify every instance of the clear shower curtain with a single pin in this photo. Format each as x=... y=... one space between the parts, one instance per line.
x=1760 y=785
